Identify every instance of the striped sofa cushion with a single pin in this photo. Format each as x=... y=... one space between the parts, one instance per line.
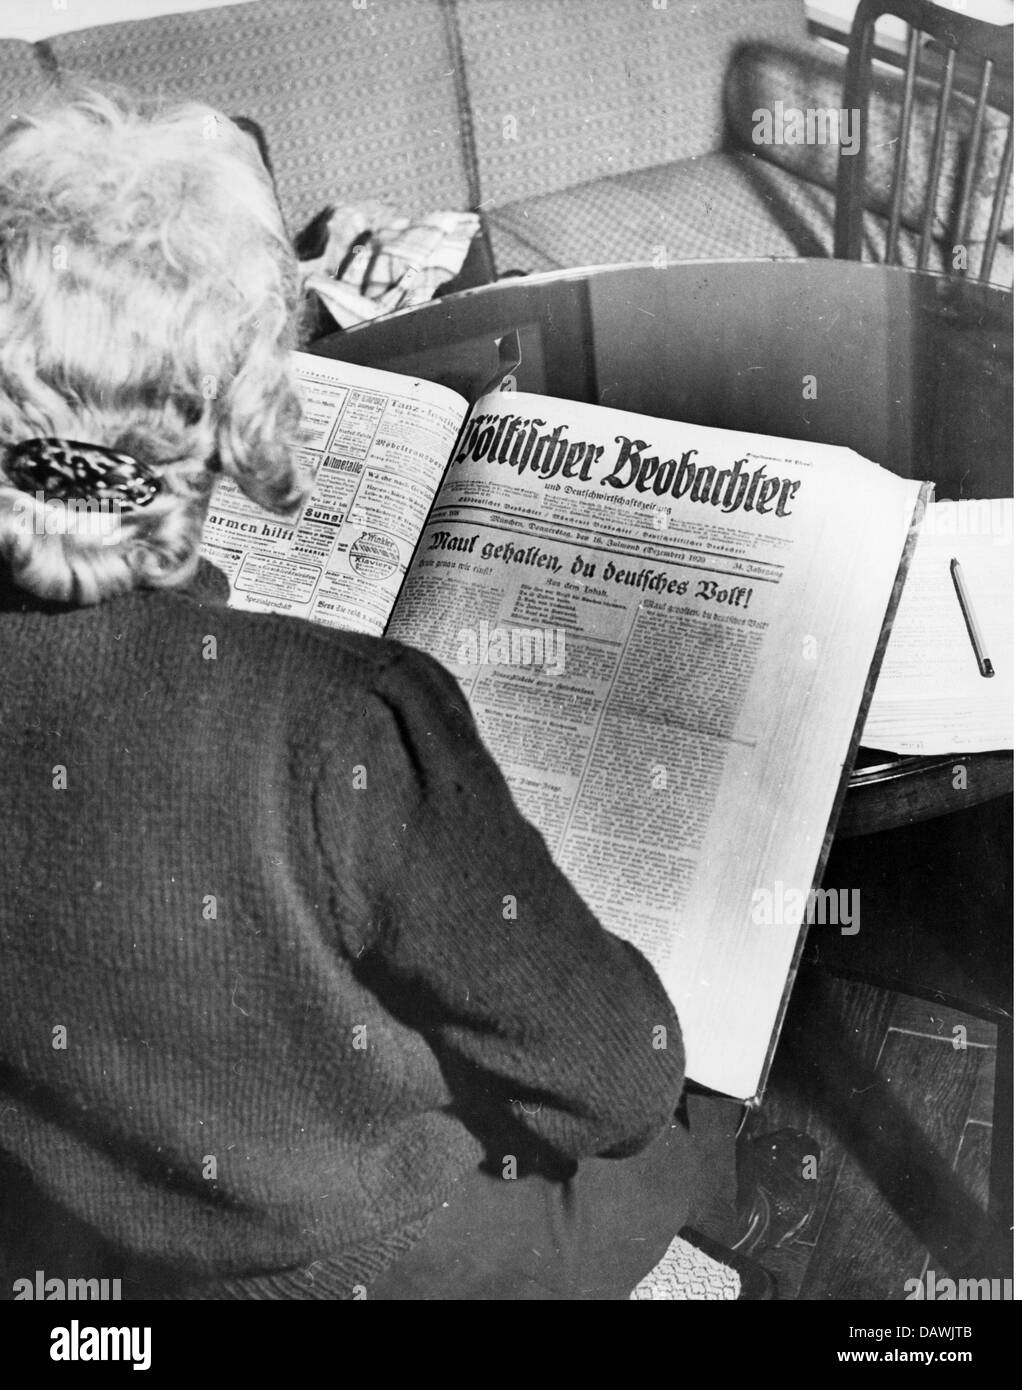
x=720 y=205
x=23 y=77
x=357 y=104
x=565 y=91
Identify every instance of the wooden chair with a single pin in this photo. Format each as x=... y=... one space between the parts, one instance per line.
x=980 y=54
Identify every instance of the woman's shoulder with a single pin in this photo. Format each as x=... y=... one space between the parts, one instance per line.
x=304 y=654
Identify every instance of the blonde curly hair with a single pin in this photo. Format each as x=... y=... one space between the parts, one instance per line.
x=148 y=302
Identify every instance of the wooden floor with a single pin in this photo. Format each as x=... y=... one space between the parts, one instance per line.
x=899 y=1094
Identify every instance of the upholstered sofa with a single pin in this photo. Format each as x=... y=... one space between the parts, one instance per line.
x=586 y=131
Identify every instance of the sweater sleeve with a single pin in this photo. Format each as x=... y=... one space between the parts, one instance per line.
x=546 y=1024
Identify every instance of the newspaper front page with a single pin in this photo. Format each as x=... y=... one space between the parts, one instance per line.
x=641 y=614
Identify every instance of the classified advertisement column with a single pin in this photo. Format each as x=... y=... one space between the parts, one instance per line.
x=374 y=450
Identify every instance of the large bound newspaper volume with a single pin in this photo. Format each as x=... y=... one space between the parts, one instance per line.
x=668 y=635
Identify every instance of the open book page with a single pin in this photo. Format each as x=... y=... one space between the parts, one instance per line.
x=376 y=446
x=665 y=632
x=931 y=697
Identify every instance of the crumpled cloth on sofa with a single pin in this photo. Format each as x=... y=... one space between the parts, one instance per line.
x=363 y=262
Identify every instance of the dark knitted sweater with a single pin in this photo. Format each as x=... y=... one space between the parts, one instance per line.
x=279 y=959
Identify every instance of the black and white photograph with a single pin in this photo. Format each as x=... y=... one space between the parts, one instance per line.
x=506 y=669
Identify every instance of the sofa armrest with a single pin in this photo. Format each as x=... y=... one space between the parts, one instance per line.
x=787 y=106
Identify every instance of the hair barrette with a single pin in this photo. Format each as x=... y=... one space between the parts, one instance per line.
x=64 y=470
